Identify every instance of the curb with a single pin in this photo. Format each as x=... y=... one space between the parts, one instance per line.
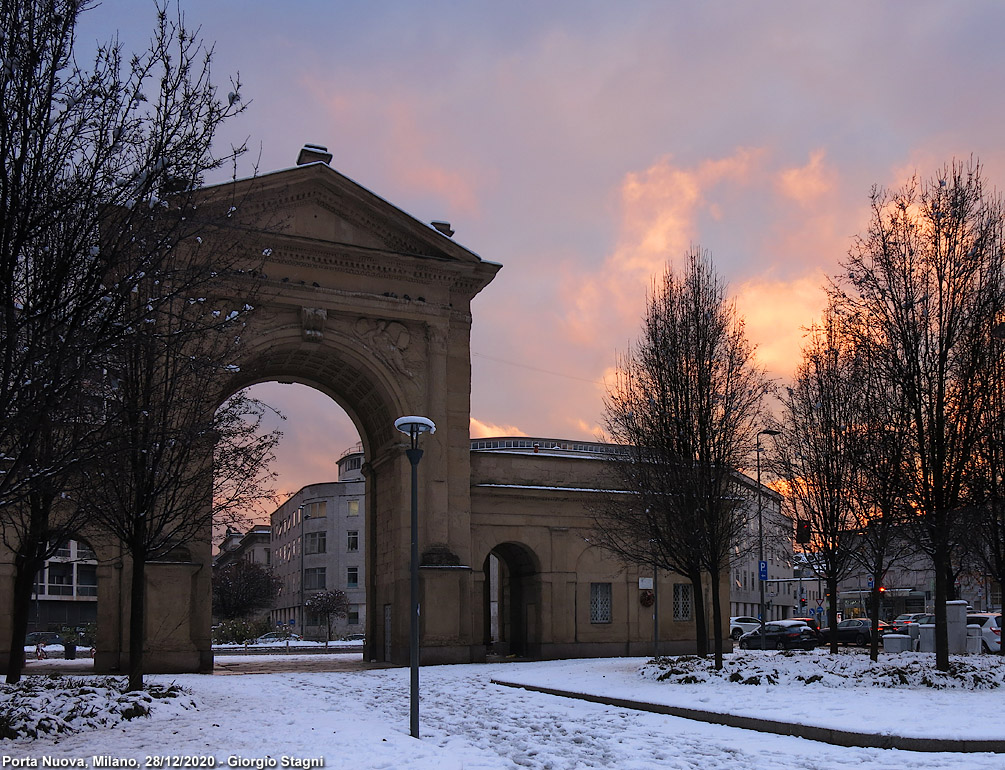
x=809 y=732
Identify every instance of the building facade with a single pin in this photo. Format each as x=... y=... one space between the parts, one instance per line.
x=318 y=544
x=255 y=546
x=781 y=592
x=66 y=590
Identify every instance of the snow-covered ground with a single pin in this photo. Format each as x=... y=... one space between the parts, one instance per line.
x=359 y=719
x=293 y=644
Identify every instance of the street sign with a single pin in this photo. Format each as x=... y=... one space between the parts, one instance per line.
x=763 y=569
x=820 y=610
x=870 y=582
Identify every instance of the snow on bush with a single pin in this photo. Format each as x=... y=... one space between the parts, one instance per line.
x=39 y=705
x=846 y=669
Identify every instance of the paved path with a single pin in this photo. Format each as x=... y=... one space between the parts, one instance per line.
x=261 y=663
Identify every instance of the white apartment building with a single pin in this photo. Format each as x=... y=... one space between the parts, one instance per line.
x=318 y=545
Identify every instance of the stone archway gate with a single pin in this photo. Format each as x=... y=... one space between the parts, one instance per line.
x=373 y=307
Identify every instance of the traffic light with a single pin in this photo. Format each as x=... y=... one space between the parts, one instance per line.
x=802 y=531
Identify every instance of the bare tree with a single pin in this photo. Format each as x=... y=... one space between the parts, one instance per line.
x=814 y=452
x=880 y=510
x=173 y=463
x=91 y=156
x=924 y=283
x=683 y=406
x=330 y=605
x=242 y=588
x=987 y=519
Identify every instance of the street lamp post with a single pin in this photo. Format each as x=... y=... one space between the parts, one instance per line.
x=302 y=510
x=412 y=427
x=761 y=564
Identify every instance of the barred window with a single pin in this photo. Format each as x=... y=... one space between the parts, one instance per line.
x=682 y=601
x=600 y=602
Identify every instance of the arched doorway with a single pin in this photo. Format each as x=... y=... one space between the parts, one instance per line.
x=512 y=601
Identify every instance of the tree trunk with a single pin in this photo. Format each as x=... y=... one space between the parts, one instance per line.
x=698 y=604
x=874 y=614
x=137 y=609
x=716 y=620
x=941 y=590
x=24 y=578
x=832 y=612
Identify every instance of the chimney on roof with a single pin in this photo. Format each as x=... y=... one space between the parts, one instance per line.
x=443 y=227
x=312 y=153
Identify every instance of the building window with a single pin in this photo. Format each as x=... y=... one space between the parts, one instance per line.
x=600 y=602
x=353 y=507
x=352 y=540
x=353 y=618
x=84 y=551
x=87 y=580
x=682 y=601
x=316 y=510
x=60 y=579
x=315 y=542
x=63 y=550
x=314 y=579
x=352 y=577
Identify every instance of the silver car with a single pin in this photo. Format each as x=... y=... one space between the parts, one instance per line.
x=991 y=629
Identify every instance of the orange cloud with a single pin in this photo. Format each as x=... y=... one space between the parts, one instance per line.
x=408 y=149
x=479 y=429
x=808 y=183
x=659 y=211
x=409 y=154
x=777 y=325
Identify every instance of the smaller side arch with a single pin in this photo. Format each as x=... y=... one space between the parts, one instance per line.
x=512 y=601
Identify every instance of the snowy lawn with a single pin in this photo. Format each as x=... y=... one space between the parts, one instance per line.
x=359 y=719
x=52 y=705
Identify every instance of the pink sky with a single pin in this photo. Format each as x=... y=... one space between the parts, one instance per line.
x=585 y=145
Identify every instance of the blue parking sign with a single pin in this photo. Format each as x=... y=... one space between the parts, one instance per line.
x=763 y=569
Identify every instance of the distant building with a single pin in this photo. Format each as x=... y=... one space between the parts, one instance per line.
x=781 y=594
x=65 y=592
x=254 y=546
x=318 y=544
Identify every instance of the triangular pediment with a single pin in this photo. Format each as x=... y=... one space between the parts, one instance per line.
x=318 y=204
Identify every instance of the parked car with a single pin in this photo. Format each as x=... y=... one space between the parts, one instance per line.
x=991 y=629
x=781 y=635
x=902 y=622
x=855 y=631
x=45 y=637
x=812 y=623
x=741 y=624
x=277 y=636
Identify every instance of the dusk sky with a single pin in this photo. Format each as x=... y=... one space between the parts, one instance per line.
x=585 y=145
